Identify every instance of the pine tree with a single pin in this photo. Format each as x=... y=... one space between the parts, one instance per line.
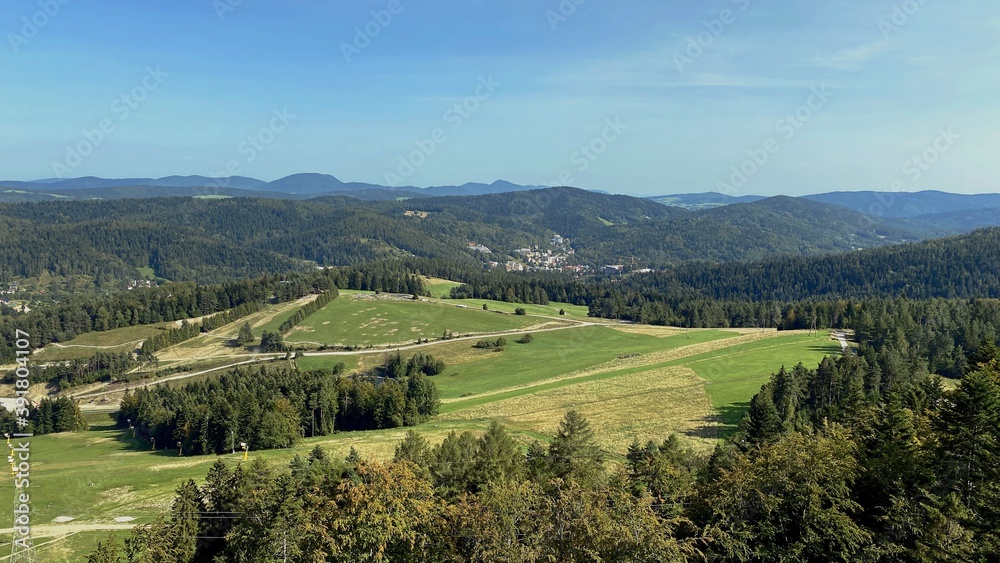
x=762 y=423
x=970 y=436
x=536 y=462
x=453 y=460
x=245 y=335
x=221 y=496
x=574 y=453
x=184 y=522
x=497 y=456
x=413 y=448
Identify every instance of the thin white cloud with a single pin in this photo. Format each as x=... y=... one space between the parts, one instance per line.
x=852 y=58
x=658 y=69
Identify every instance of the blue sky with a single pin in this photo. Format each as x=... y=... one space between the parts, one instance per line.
x=641 y=97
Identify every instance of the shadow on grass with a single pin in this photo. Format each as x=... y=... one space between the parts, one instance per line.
x=136 y=444
x=104 y=426
x=723 y=424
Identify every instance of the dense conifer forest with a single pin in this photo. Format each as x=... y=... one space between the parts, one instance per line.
x=211 y=241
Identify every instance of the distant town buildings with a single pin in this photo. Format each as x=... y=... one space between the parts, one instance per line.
x=553 y=258
x=557 y=256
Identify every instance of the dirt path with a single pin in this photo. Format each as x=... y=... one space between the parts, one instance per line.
x=252 y=358
x=634 y=362
x=65 y=529
x=181 y=376
x=114 y=347
x=842 y=339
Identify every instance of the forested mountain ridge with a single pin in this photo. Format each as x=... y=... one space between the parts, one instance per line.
x=908 y=204
x=212 y=240
x=929 y=213
x=966 y=266
x=926 y=213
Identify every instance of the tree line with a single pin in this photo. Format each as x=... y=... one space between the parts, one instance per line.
x=309 y=308
x=273 y=407
x=62 y=322
x=102 y=366
x=48 y=416
x=172 y=302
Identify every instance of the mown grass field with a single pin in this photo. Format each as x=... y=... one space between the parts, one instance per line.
x=736 y=374
x=363 y=319
x=439 y=287
x=553 y=354
x=86 y=345
x=552 y=309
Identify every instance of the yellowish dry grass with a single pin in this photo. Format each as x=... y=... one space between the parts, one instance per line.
x=258 y=320
x=379 y=445
x=645 y=405
x=648 y=330
x=191 y=462
x=640 y=361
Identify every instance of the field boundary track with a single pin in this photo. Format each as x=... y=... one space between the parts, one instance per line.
x=264 y=357
x=644 y=361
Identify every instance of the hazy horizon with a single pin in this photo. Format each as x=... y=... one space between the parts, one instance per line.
x=734 y=96
x=489 y=182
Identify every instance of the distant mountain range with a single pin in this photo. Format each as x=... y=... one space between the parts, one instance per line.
x=894 y=205
x=296 y=186
x=926 y=213
x=902 y=205
x=931 y=213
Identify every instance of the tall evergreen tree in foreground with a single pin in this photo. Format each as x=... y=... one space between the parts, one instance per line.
x=574 y=453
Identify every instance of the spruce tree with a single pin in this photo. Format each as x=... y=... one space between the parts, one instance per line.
x=497 y=457
x=245 y=335
x=574 y=453
x=762 y=423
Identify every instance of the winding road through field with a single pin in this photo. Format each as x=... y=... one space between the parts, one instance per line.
x=254 y=358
